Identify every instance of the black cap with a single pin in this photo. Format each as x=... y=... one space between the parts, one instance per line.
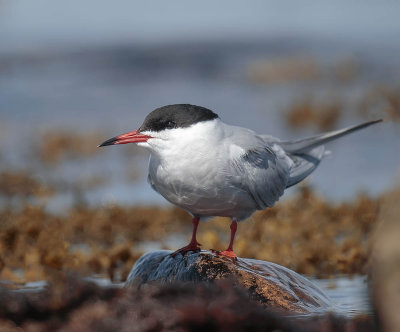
x=176 y=116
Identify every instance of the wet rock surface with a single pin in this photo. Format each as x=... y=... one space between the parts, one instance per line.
x=270 y=284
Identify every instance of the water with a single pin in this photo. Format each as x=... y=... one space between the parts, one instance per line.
x=111 y=89
x=93 y=22
x=350 y=293
x=62 y=67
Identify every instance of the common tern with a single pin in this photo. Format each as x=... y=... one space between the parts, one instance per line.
x=210 y=168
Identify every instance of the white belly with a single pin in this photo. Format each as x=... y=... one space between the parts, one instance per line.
x=200 y=189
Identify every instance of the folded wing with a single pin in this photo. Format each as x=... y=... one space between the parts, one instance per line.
x=263 y=173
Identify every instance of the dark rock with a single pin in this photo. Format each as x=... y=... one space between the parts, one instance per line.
x=270 y=284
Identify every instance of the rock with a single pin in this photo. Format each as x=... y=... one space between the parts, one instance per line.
x=270 y=284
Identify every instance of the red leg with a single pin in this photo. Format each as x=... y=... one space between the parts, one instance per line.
x=229 y=251
x=193 y=245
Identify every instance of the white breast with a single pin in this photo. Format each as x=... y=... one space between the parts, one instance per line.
x=192 y=170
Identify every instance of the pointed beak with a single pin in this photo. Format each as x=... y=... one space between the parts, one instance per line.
x=131 y=137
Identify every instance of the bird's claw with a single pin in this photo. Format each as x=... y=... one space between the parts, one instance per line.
x=184 y=250
x=226 y=253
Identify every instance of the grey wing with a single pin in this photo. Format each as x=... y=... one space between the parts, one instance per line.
x=151 y=182
x=302 y=163
x=152 y=167
x=264 y=174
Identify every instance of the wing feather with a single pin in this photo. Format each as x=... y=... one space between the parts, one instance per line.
x=264 y=173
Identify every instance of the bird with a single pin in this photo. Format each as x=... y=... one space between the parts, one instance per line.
x=210 y=168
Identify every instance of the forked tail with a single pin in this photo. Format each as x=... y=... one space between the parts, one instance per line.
x=306 y=144
x=307 y=153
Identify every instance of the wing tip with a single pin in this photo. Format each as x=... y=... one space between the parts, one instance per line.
x=376 y=121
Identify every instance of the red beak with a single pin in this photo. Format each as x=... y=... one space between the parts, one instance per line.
x=131 y=137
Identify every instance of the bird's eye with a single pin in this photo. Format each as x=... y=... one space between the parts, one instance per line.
x=170 y=124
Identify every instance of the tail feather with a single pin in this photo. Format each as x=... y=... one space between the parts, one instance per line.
x=307 y=144
x=307 y=153
x=304 y=164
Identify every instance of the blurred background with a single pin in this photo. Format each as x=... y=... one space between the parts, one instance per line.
x=75 y=73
